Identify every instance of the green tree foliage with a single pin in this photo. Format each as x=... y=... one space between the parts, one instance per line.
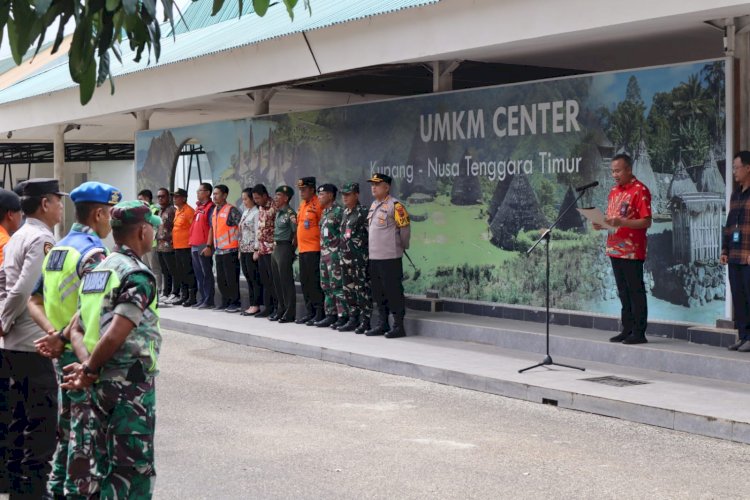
x=101 y=27
x=627 y=121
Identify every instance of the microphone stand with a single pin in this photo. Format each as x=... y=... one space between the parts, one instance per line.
x=547 y=236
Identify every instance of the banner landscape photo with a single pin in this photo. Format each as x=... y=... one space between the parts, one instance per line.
x=482 y=171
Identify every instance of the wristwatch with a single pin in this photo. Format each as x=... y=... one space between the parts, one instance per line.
x=62 y=337
x=87 y=370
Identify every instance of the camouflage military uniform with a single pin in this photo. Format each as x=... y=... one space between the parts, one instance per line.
x=331 y=278
x=354 y=248
x=121 y=418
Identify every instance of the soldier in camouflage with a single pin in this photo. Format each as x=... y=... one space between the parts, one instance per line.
x=354 y=245
x=331 y=278
x=119 y=324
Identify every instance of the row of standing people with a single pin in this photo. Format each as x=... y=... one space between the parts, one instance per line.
x=348 y=255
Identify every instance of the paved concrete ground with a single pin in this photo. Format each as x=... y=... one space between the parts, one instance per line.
x=239 y=422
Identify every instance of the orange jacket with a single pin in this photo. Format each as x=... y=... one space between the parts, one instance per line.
x=183 y=219
x=308 y=225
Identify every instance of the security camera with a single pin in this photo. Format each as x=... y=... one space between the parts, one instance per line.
x=9 y=134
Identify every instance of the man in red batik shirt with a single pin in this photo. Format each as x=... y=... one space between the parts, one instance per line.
x=629 y=212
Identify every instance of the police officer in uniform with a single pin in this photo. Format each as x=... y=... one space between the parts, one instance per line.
x=308 y=244
x=120 y=325
x=354 y=265
x=389 y=233
x=33 y=391
x=55 y=302
x=284 y=235
x=331 y=279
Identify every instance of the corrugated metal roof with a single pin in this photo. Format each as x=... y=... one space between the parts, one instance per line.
x=197 y=15
x=220 y=37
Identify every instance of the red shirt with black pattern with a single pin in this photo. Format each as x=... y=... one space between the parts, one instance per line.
x=631 y=201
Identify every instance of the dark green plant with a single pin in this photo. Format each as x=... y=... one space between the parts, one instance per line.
x=101 y=27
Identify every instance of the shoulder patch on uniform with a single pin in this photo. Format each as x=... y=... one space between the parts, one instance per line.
x=47 y=247
x=400 y=214
x=293 y=218
x=95 y=282
x=56 y=260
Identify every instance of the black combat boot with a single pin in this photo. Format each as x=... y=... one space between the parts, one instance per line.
x=350 y=325
x=192 y=300
x=327 y=321
x=304 y=319
x=317 y=318
x=363 y=326
x=182 y=299
x=342 y=320
x=382 y=327
x=398 y=327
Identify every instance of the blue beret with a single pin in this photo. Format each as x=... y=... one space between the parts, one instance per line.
x=96 y=192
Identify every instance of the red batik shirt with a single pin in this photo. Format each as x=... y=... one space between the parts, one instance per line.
x=631 y=201
x=266 y=223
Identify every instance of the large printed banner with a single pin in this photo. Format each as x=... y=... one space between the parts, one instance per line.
x=481 y=171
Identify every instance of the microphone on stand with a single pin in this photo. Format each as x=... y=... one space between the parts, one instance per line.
x=586 y=186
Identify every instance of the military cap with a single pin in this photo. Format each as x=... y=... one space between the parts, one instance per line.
x=306 y=181
x=41 y=187
x=350 y=187
x=285 y=190
x=180 y=192
x=132 y=212
x=328 y=188
x=377 y=178
x=10 y=201
x=96 y=192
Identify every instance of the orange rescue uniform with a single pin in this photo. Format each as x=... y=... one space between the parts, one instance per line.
x=4 y=237
x=308 y=225
x=183 y=218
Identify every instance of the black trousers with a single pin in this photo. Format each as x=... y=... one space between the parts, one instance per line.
x=632 y=291
x=309 y=277
x=4 y=422
x=252 y=276
x=386 y=278
x=265 y=269
x=168 y=267
x=33 y=422
x=283 y=279
x=228 y=278
x=739 y=283
x=184 y=275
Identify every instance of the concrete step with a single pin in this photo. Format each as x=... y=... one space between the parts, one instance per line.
x=585 y=344
x=702 y=406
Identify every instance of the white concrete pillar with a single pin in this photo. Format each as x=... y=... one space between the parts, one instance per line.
x=58 y=149
x=442 y=75
x=142 y=119
x=262 y=101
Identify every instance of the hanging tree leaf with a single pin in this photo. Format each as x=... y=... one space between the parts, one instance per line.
x=101 y=27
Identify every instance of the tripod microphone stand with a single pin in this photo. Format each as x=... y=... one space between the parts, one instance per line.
x=547 y=235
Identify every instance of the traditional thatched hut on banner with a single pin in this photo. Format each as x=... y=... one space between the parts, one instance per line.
x=709 y=179
x=681 y=183
x=697 y=226
x=572 y=220
x=520 y=210
x=645 y=173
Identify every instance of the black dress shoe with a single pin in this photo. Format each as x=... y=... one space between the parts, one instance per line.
x=620 y=337
x=304 y=319
x=378 y=330
x=635 y=339
x=736 y=345
x=744 y=347
x=273 y=317
x=350 y=325
x=287 y=320
x=265 y=314
x=396 y=333
x=326 y=322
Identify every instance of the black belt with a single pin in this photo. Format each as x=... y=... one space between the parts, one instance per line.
x=284 y=242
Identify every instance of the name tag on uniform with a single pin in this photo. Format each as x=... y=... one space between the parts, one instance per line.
x=307 y=223
x=95 y=282
x=736 y=237
x=325 y=232
x=381 y=220
x=56 y=260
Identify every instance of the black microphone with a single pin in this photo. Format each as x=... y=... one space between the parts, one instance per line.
x=587 y=186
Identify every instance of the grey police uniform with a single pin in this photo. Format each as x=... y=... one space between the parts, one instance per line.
x=389 y=234
x=33 y=391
